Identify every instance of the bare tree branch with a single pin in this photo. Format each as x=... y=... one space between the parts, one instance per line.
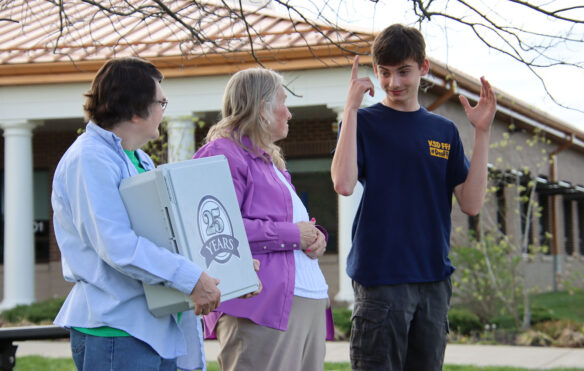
x=553 y=13
x=202 y=26
x=532 y=48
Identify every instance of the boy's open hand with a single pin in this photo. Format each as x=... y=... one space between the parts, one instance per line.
x=481 y=116
x=358 y=87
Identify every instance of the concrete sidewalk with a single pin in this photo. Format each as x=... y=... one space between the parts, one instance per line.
x=538 y=358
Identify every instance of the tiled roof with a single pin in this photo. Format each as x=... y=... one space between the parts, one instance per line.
x=34 y=51
x=90 y=35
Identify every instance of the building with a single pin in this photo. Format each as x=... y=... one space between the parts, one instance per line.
x=43 y=76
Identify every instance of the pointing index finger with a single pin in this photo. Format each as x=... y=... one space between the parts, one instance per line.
x=355 y=68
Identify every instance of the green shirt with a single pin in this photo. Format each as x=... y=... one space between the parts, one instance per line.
x=132 y=156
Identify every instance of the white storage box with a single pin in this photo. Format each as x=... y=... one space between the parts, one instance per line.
x=190 y=207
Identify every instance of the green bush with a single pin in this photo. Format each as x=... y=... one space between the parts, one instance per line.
x=554 y=328
x=342 y=318
x=488 y=275
x=35 y=313
x=538 y=315
x=464 y=321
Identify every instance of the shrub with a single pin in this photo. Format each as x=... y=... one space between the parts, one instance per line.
x=555 y=328
x=488 y=275
x=464 y=321
x=538 y=315
x=534 y=338
x=36 y=312
x=342 y=318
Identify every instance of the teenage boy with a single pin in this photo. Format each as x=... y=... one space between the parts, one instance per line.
x=106 y=311
x=410 y=162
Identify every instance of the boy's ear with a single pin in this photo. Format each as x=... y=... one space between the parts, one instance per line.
x=425 y=67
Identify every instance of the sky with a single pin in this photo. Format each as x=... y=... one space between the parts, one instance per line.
x=460 y=49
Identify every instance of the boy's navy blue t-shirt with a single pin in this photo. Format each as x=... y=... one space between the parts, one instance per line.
x=409 y=164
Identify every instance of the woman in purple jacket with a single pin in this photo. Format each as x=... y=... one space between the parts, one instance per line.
x=284 y=327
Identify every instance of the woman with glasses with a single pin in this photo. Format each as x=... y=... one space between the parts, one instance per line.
x=106 y=311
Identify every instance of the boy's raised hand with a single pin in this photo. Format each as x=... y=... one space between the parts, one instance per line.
x=481 y=116
x=358 y=87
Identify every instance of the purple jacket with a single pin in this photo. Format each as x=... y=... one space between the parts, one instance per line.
x=266 y=208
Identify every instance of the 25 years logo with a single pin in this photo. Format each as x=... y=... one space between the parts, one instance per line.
x=215 y=229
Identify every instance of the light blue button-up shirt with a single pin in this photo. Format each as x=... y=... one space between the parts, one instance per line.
x=101 y=253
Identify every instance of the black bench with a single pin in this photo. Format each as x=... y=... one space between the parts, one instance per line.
x=10 y=334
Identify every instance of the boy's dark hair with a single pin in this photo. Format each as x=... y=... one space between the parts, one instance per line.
x=122 y=88
x=397 y=43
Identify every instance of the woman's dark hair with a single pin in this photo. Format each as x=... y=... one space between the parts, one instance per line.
x=122 y=88
x=397 y=43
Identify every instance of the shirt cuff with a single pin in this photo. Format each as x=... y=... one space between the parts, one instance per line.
x=186 y=277
x=289 y=236
x=324 y=231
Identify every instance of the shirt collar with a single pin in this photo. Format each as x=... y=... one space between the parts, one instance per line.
x=254 y=151
x=107 y=135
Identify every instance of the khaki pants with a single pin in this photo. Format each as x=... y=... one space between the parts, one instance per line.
x=246 y=345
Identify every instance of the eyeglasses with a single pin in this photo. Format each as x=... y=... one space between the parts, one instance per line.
x=163 y=103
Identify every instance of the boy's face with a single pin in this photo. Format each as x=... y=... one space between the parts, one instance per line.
x=401 y=83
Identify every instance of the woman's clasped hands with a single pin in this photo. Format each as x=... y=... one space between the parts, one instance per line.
x=312 y=240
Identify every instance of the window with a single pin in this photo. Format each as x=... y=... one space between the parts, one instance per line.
x=501 y=208
x=568 y=227
x=42 y=207
x=474 y=227
x=312 y=180
x=525 y=197
x=581 y=223
x=544 y=223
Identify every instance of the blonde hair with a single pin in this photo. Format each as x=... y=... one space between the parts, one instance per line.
x=248 y=105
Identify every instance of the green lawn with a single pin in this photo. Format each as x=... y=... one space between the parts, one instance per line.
x=562 y=304
x=35 y=363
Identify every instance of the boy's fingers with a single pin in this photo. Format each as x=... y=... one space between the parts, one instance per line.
x=355 y=68
x=484 y=86
x=485 y=82
x=464 y=101
x=487 y=88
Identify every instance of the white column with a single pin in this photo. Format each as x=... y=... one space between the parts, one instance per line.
x=181 y=139
x=348 y=206
x=18 y=215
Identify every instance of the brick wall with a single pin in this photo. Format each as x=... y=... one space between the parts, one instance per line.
x=309 y=138
x=306 y=138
